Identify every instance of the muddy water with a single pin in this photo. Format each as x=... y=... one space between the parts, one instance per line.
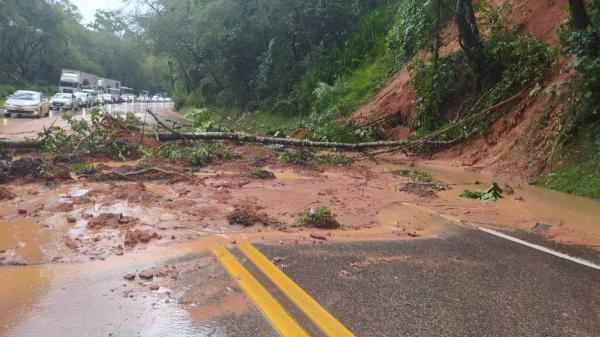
x=25 y=238
x=539 y=205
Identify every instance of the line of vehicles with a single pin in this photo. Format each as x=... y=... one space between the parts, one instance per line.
x=77 y=89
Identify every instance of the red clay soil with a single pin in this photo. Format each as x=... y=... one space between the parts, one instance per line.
x=541 y=18
x=518 y=143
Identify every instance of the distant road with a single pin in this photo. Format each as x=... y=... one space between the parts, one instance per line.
x=16 y=129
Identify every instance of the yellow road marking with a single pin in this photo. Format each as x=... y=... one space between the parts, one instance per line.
x=321 y=317
x=281 y=320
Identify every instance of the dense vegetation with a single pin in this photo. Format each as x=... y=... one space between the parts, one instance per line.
x=39 y=38
x=279 y=65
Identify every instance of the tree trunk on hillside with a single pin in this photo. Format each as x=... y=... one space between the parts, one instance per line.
x=579 y=15
x=469 y=37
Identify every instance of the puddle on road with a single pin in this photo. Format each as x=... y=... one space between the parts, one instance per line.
x=25 y=238
x=233 y=304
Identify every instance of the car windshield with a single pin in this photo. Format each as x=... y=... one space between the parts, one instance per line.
x=81 y=94
x=27 y=96
x=62 y=96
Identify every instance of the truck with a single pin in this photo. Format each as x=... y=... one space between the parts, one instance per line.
x=111 y=87
x=72 y=81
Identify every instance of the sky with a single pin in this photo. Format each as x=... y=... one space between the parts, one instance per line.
x=88 y=7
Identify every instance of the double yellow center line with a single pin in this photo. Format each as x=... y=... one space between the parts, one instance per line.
x=281 y=320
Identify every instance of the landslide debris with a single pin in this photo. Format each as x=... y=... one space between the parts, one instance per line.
x=134 y=237
x=247 y=217
x=111 y=220
x=6 y=194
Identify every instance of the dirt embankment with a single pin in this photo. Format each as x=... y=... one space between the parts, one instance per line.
x=517 y=141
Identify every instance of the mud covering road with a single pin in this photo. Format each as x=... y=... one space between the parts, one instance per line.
x=105 y=254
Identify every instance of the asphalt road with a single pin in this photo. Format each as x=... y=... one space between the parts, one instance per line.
x=468 y=284
x=29 y=128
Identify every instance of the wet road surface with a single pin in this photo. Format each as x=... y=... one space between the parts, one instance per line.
x=467 y=283
x=14 y=128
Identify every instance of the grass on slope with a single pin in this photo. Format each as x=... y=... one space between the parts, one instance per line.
x=581 y=174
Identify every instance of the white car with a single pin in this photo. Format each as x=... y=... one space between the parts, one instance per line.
x=154 y=99
x=106 y=99
x=25 y=102
x=84 y=99
x=63 y=100
x=93 y=94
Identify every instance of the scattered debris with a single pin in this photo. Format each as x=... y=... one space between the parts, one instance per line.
x=541 y=227
x=69 y=242
x=260 y=173
x=246 y=217
x=129 y=277
x=137 y=236
x=492 y=193
x=6 y=194
x=110 y=220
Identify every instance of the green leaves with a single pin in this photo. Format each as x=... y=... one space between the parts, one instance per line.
x=491 y=194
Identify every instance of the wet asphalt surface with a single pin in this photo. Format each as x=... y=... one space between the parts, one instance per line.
x=22 y=128
x=468 y=284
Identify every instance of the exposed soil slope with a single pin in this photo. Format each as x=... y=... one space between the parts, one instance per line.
x=541 y=18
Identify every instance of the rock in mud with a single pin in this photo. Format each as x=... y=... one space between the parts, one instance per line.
x=22 y=212
x=64 y=207
x=6 y=194
x=153 y=287
x=110 y=220
x=72 y=244
x=129 y=277
x=71 y=219
x=137 y=236
x=246 y=218
x=318 y=237
x=146 y=274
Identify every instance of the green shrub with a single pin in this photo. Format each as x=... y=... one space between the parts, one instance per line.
x=319 y=217
x=297 y=157
x=82 y=167
x=197 y=155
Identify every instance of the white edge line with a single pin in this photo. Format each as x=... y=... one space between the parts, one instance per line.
x=541 y=248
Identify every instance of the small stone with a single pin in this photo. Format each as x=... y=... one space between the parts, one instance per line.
x=154 y=287
x=146 y=274
x=277 y=259
x=318 y=237
x=129 y=277
x=22 y=211
x=71 y=219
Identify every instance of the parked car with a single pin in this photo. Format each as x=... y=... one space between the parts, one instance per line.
x=129 y=98
x=24 y=102
x=106 y=99
x=64 y=101
x=94 y=95
x=84 y=99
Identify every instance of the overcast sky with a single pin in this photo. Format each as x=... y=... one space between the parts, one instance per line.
x=88 y=7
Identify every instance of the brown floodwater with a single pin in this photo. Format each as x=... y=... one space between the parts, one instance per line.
x=25 y=238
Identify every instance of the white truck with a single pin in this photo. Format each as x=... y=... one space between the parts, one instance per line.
x=72 y=81
x=111 y=87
